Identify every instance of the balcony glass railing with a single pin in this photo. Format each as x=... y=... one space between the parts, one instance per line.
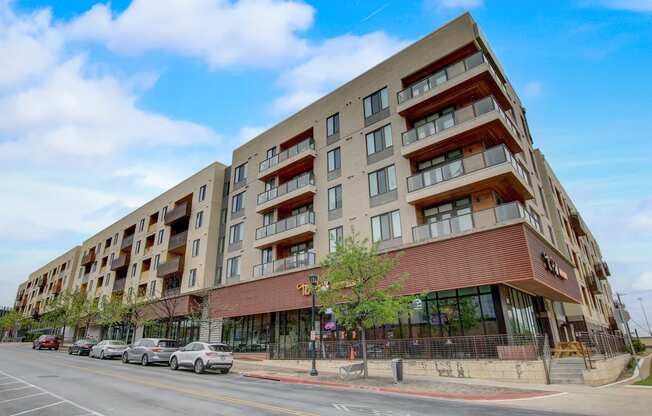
x=308 y=144
x=474 y=220
x=456 y=118
x=285 y=224
x=289 y=263
x=491 y=157
x=287 y=187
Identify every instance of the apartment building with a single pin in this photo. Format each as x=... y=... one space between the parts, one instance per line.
x=575 y=240
x=45 y=284
x=165 y=249
x=427 y=153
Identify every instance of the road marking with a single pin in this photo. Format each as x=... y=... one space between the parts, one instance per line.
x=38 y=408
x=22 y=397
x=17 y=388
x=11 y=382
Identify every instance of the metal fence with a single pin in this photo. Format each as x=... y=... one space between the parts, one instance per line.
x=601 y=343
x=481 y=347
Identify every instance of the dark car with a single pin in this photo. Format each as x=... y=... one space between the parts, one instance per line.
x=82 y=347
x=50 y=342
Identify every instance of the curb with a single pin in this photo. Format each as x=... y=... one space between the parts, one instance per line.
x=408 y=392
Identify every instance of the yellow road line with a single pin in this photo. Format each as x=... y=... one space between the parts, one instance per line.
x=197 y=393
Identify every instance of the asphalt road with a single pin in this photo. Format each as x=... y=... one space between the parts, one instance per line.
x=53 y=383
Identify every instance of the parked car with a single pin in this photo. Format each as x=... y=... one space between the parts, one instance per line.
x=202 y=356
x=108 y=348
x=50 y=342
x=150 y=350
x=82 y=346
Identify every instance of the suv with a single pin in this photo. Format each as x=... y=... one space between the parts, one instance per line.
x=150 y=350
x=50 y=342
x=202 y=356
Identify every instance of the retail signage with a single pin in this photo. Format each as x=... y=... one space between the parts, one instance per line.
x=553 y=267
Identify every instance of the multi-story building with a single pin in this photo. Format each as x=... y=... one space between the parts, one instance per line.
x=429 y=154
x=45 y=284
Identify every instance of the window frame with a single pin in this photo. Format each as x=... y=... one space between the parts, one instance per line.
x=380 y=97
x=383 y=179
x=337 y=160
x=337 y=200
x=385 y=135
x=335 y=125
x=390 y=224
x=339 y=235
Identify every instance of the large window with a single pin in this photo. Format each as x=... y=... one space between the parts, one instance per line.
x=192 y=277
x=333 y=125
x=199 y=219
x=386 y=226
x=334 y=160
x=233 y=267
x=382 y=181
x=335 y=236
x=235 y=233
x=238 y=202
x=195 y=248
x=240 y=173
x=161 y=234
x=202 y=193
x=335 y=197
x=376 y=102
x=141 y=227
x=379 y=140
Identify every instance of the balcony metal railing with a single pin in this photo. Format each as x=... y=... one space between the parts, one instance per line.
x=172 y=266
x=307 y=144
x=127 y=241
x=456 y=118
x=287 y=187
x=289 y=263
x=474 y=220
x=120 y=262
x=491 y=157
x=285 y=224
x=180 y=211
x=178 y=241
x=168 y=293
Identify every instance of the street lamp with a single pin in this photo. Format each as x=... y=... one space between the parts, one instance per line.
x=312 y=277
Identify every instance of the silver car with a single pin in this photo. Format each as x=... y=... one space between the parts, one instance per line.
x=150 y=350
x=202 y=356
x=108 y=348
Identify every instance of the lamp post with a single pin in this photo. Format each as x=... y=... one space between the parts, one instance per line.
x=312 y=277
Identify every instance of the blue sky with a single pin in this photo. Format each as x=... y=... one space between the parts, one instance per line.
x=105 y=105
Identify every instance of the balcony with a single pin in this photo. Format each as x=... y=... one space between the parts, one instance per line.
x=172 y=292
x=286 y=230
x=495 y=167
x=177 y=243
x=484 y=117
x=127 y=242
x=474 y=73
x=500 y=215
x=577 y=224
x=302 y=187
x=119 y=263
x=179 y=212
x=88 y=258
x=593 y=285
x=144 y=276
x=119 y=285
x=302 y=151
x=57 y=287
x=172 y=266
x=602 y=270
x=287 y=264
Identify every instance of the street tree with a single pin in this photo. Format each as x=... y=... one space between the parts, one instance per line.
x=356 y=285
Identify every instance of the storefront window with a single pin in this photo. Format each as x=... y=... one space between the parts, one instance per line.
x=520 y=312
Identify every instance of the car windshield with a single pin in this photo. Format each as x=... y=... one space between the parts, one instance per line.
x=116 y=343
x=220 y=347
x=167 y=343
x=87 y=341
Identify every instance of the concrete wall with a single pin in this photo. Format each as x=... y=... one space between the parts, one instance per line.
x=606 y=371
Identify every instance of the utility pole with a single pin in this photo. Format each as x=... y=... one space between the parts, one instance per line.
x=649 y=331
x=621 y=307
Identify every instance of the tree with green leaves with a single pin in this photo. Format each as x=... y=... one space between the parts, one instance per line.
x=112 y=311
x=355 y=285
x=135 y=314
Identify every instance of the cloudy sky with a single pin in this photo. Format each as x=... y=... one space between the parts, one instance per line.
x=104 y=105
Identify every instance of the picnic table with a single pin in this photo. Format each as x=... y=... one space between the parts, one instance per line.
x=571 y=349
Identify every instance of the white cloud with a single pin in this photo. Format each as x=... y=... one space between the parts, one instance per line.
x=630 y=5
x=643 y=281
x=454 y=4
x=247 y=133
x=257 y=33
x=333 y=62
x=532 y=89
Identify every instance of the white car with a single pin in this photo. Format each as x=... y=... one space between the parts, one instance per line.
x=108 y=348
x=201 y=356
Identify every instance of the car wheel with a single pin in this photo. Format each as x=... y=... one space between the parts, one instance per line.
x=33 y=346
x=174 y=364
x=199 y=366
x=225 y=370
x=69 y=351
x=56 y=349
x=144 y=360
x=102 y=355
x=125 y=358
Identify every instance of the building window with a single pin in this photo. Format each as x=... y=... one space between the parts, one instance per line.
x=233 y=267
x=137 y=247
x=386 y=226
x=107 y=279
x=157 y=260
x=379 y=140
x=335 y=197
x=164 y=212
x=271 y=152
x=202 y=193
x=223 y=214
x=376 y=102
x=240 y=173
x=266 y=255
x=382 y=181
x=333 y=125
x=152 y=289
x=220 y=245
x=335 y=236
x=334 y=159
x=235 y=233
x=110 y=261
x=115 y=239
x=237 y=202
x=195 y=248
x=133 y=270
x=199 y=217
x=192 y=277
x=161 y=234
x=141 y=225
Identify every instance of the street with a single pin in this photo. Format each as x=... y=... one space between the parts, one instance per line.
x=54 y=383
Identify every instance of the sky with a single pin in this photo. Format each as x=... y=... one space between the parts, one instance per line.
x=105 y=105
